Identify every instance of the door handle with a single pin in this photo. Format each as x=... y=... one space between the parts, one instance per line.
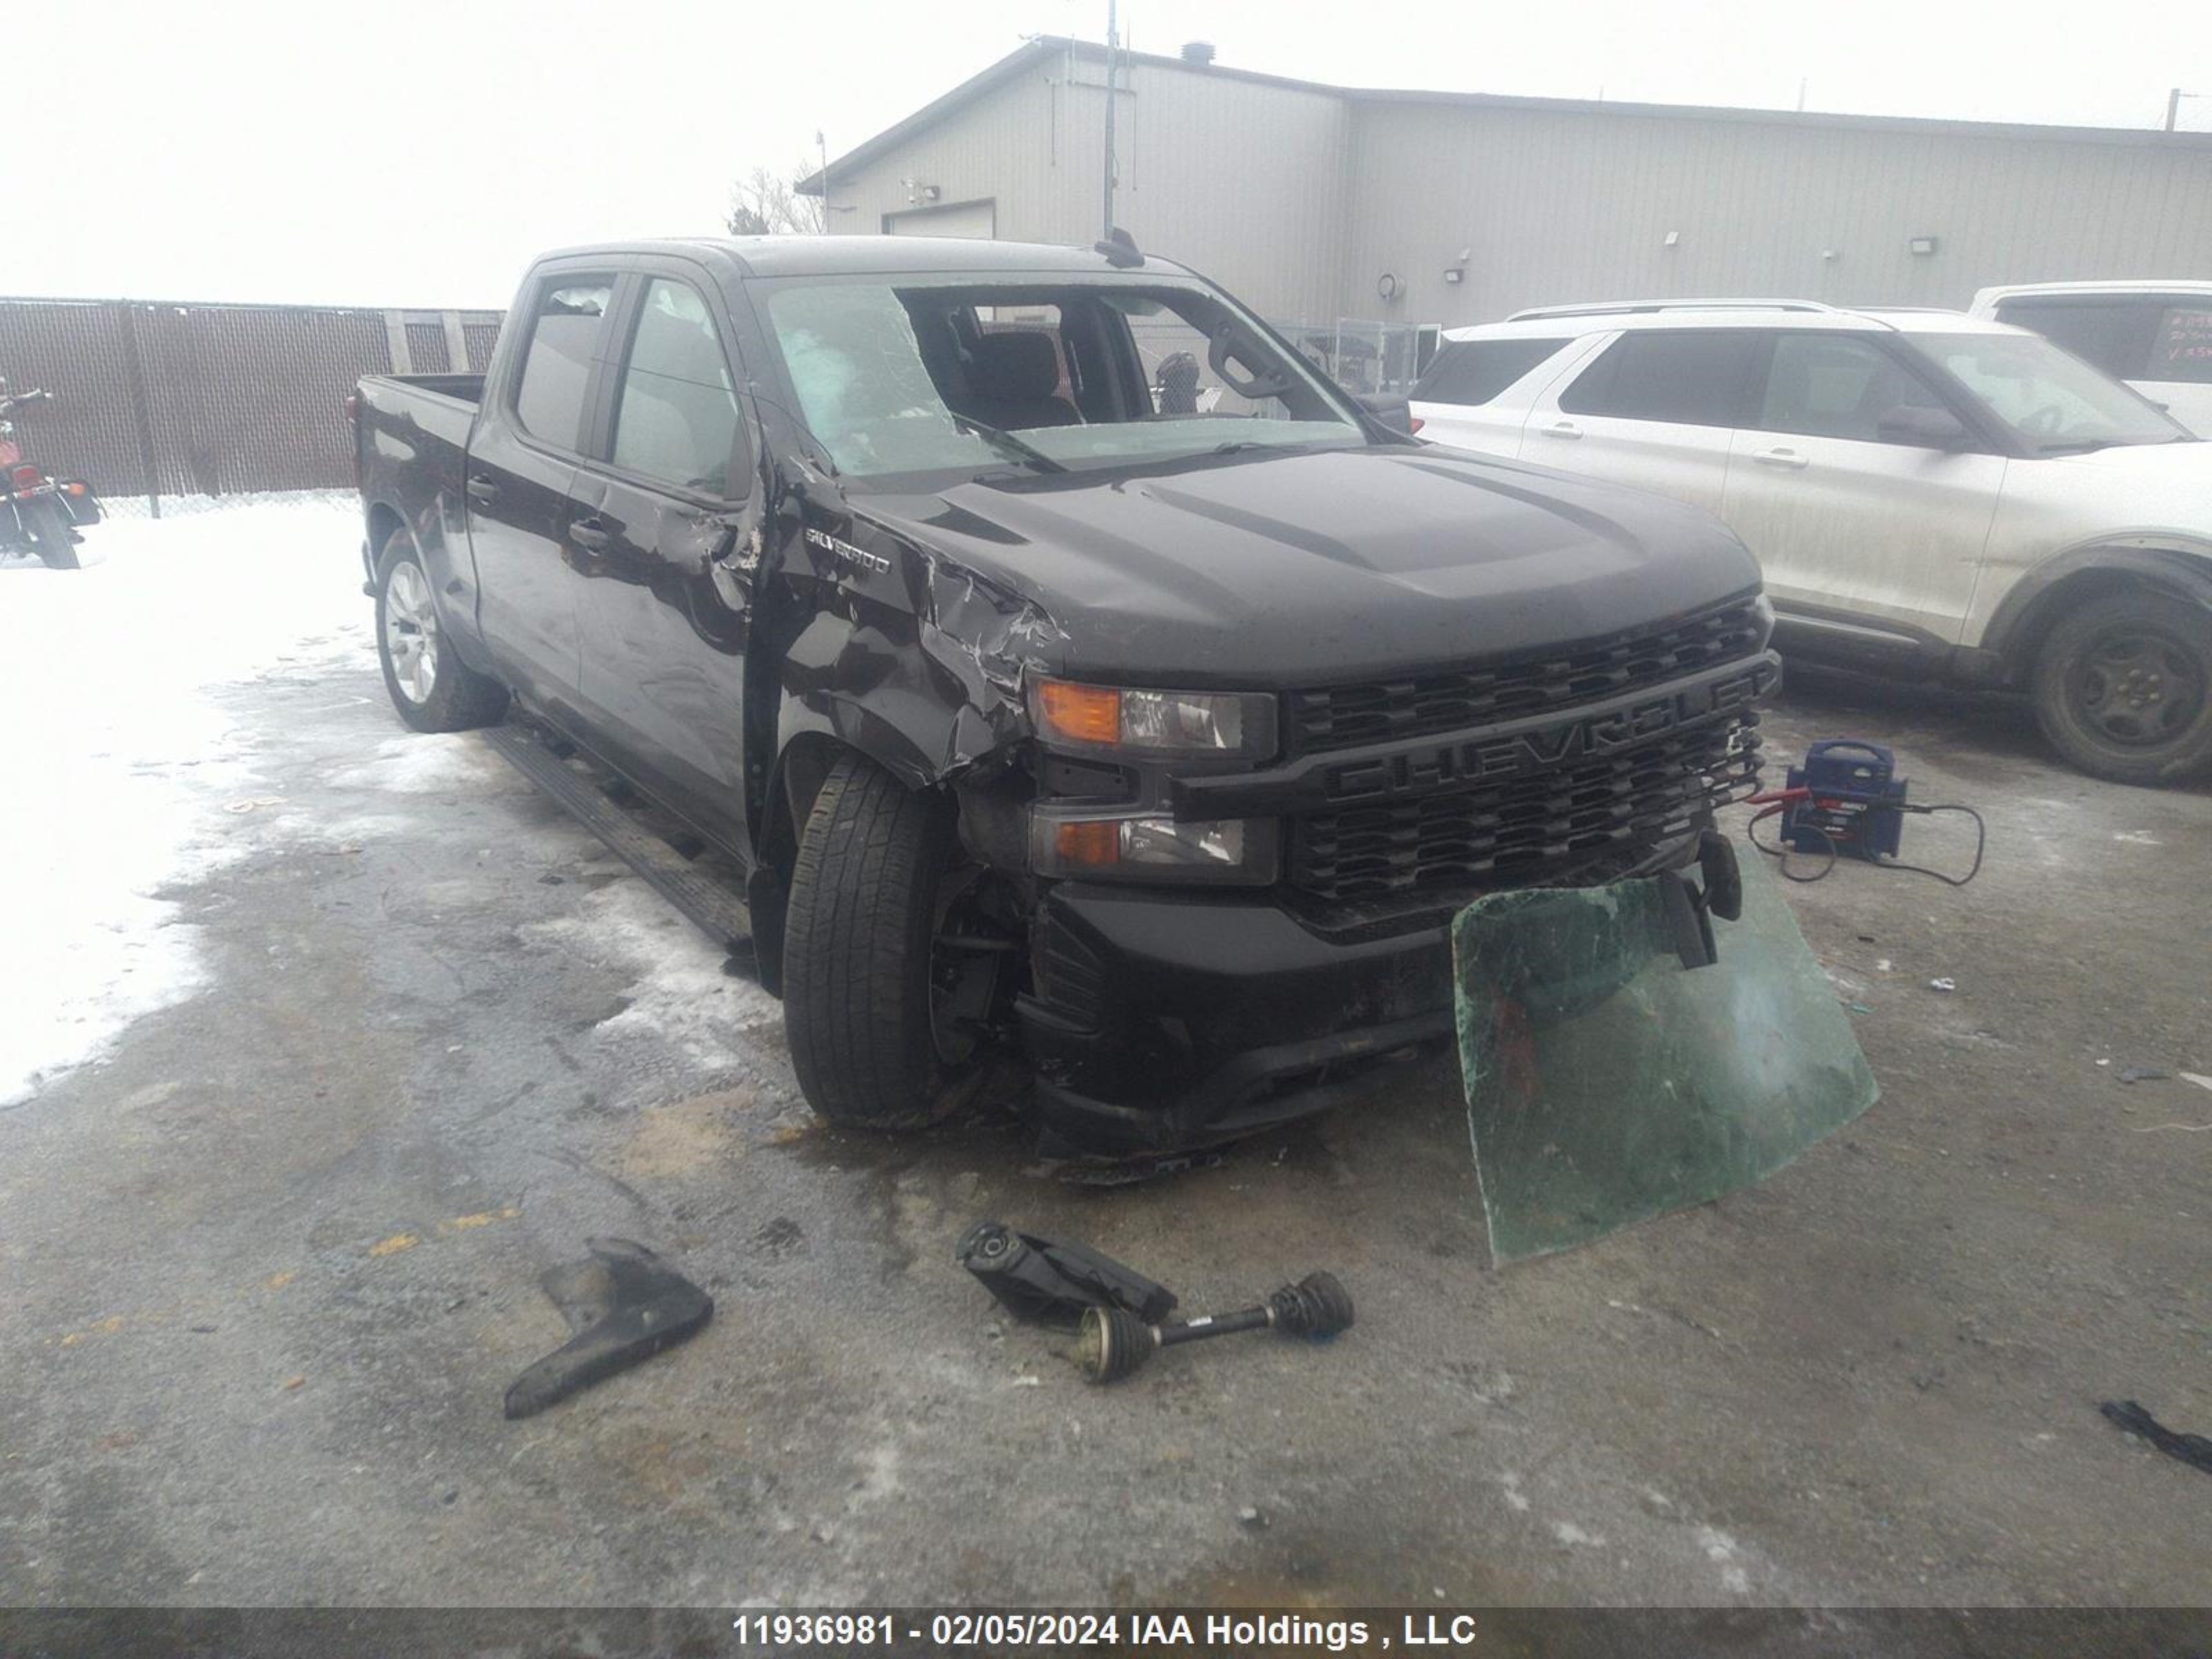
x=482 y=490
x=589 y=534
x=1563 y=430
x=1789 y=459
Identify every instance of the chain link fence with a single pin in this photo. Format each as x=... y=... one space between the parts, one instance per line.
x=174 y=403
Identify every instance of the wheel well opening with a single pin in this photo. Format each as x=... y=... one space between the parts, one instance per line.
x=382 y=522
x=2067 y=594
x=799 y=775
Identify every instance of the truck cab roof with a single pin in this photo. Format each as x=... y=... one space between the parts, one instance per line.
x=848 y=256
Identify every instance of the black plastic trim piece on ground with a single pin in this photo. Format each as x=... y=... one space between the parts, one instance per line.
x=625 y=1304
x=2194 y=1449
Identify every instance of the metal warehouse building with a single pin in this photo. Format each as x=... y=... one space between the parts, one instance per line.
x=1316 y=202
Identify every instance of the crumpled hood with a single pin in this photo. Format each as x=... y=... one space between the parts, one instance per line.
x=1272 y=571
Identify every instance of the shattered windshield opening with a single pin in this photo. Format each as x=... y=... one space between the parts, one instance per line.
x=906 y=377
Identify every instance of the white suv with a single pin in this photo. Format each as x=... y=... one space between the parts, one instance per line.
x=1928 y=493
x=2157 y=336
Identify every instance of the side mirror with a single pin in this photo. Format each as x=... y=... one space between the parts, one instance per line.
x=1388 y=407
x=1923 y=428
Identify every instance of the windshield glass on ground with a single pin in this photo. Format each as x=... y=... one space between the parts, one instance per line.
x=896 y=379
x=2056 y=402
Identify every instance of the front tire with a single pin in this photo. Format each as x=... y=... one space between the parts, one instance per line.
x=432 y=689
x=52 y=533
x=2123 y=687
x=882 y=1025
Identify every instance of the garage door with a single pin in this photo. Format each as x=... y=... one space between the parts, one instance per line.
x=963 y=219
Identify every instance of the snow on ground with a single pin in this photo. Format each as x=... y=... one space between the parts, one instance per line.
x=678 y=995
x=127 y=780
x=413 y=764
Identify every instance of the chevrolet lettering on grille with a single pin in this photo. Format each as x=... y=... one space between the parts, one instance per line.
x=1386 y=771
x=1435 y=765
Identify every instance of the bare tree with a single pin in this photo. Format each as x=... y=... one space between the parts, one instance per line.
x=765 y=204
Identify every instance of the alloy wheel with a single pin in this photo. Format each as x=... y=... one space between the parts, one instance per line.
x=2137 y=689
x=410 y=632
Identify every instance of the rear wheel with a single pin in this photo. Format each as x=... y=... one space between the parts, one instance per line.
x=431 y=687
x=53 y=536
x=895 y=967
x=2123 y=687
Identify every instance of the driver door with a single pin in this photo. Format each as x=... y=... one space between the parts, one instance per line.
x=666 y=510
x=1875 y=543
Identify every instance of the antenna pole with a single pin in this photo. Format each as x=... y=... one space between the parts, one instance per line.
x=1107 y=230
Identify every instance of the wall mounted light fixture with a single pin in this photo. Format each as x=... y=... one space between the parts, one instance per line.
x=1922 y=246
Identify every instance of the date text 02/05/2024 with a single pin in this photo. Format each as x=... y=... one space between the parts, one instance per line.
x=1196 y=1630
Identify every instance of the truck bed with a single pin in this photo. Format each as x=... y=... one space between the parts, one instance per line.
x=410 y=449
x=465 y=389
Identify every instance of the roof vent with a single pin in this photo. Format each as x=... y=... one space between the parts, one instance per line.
x=1198 y=53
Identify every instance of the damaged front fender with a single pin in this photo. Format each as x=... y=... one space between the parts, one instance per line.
x=910 y=657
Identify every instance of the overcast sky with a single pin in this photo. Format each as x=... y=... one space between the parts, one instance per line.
x=418 y=152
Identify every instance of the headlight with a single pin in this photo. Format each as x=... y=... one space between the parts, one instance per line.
x=1234 y=851
x=1226 y=724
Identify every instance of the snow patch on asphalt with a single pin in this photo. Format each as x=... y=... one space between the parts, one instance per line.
x=121 y=762
x=679 y=996
x=426 y=763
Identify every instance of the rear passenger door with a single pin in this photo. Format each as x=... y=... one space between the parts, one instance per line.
x=1654 y=408
x=521 y=462
x=1875 y=543
x=667 y=505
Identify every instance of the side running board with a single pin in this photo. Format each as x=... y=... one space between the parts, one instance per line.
x=596 y=801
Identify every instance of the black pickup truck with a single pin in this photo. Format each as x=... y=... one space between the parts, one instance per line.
x=1073 y=669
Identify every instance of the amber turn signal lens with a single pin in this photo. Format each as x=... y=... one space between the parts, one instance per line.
x=1089 y=840
x=73 y=489
x=1081 y=714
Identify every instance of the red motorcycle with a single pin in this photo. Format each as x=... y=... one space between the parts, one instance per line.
x=39 y=514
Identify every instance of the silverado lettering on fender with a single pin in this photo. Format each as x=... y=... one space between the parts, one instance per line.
x=1070 y=668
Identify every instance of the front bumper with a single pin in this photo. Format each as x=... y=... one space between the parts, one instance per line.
x=1160 y=1022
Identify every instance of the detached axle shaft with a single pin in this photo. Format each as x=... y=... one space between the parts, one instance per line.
x=1114 y=1343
